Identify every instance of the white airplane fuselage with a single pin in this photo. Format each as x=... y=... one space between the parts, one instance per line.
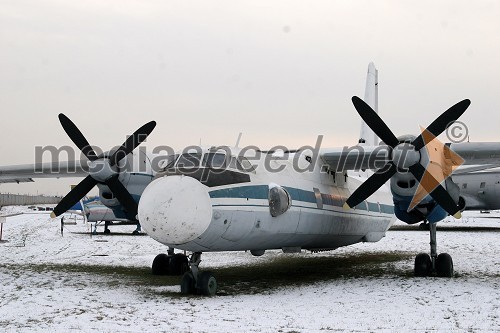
x=180 y=211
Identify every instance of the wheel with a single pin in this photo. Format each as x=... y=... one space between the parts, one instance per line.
x=135 y=232
x=107 y=231
x=423 y=265
x=187 y=284
x=178 y=264
x=161 y=264
x=444 y=265
x=207 y=284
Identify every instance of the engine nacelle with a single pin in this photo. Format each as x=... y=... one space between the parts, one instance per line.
x=135 y=173
x=404 y=186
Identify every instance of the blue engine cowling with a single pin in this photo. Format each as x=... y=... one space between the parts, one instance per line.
x=428 y=210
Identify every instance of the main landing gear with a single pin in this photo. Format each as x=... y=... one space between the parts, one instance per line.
x=137 y=230
x=106 y=228
x=170 y=264
x=441 y=265
x=195 y=282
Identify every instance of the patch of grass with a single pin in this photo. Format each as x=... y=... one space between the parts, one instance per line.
x=114 y=275
x=295 y=271
x=262 y=277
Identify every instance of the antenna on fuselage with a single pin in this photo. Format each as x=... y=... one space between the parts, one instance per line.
x=238 y=140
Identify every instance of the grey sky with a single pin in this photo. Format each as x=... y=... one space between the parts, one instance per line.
x=281 y=72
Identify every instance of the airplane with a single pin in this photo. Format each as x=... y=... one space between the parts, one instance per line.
x=96 y=212
x=479 y=190
x=237 y=199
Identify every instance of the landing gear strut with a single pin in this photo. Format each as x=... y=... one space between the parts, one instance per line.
x=424 y=226
x=195 y=282
x=106 y=229
x=137 y=230
x=441 y=265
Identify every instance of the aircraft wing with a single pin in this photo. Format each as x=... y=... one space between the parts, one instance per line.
x=15 y=180
x=477 y=156
x=356 y=157
x=27 y=172
x=464 y=169
x=480 y=153
x=2 y=217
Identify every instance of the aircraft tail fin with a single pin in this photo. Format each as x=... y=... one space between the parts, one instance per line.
x=367 y=136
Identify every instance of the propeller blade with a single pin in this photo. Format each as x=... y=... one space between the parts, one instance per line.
x=439 y=193
x=78 y=192
x=372 y=184
x=442 y=122
x=123 y=196
x=132 y=142
x=77 y=137
x=376 y=123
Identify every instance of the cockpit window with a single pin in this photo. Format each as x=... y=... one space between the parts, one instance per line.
x=169 y=162
x=235 y=164
x=214 y=160
x=245 y=165
x=189 y=160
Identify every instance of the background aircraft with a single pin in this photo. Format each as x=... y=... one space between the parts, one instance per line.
x=96 y=212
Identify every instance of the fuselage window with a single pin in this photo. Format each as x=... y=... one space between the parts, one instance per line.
x=483 y=185
x=169 y=162
x=464 y=186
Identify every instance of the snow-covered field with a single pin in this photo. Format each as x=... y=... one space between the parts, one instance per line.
x=103 y=283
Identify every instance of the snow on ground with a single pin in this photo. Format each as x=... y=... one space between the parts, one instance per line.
x=103 y=283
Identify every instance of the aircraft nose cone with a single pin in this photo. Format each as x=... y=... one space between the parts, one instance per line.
x=174 y=210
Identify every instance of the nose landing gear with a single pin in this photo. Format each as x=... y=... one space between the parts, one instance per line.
x=441 y=265
x=170 y=264
x=195 y=282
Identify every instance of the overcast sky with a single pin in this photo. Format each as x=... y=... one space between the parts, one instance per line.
x=281 y=72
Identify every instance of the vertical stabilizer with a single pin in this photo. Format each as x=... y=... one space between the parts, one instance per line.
x=367 y=136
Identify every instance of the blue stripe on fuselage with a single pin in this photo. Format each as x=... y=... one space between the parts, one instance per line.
x=261 y=192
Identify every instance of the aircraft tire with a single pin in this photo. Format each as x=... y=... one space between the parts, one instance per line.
x=444 y=265
x=207 y=284
x=161 y=264
x=188 y=284
x=423 y=265
x=178 y=264
x=107 y=231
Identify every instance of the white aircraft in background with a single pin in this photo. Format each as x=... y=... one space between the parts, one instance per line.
x=219 y=199
x=96 y=212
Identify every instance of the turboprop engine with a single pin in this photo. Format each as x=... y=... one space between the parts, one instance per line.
x=417 y=166
x=134 y=172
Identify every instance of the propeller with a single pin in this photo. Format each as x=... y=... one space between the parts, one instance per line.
x=102 y=169
x=411 y=160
